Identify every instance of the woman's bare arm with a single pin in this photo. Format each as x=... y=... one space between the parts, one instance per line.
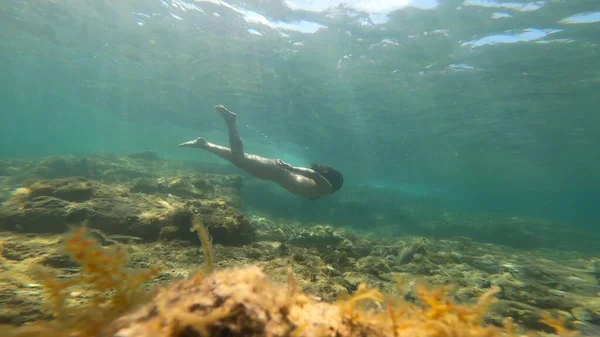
x=308 y=173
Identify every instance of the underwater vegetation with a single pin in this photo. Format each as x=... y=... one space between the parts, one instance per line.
x=138 y=211
x=242 y=301
x=110 y=286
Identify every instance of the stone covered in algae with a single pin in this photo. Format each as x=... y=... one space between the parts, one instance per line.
x=243 y=301
x=50 y=206
x=138 y=172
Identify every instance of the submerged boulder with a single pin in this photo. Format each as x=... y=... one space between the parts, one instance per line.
x=51 y=206
x=74 y=189
x=317 y=236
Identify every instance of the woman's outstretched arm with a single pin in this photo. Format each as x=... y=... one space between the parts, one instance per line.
x=308 y=173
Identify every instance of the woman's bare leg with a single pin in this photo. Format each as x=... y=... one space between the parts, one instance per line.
x=234 y=153
x=201 y=143
x=235 y=143
x=258 y=166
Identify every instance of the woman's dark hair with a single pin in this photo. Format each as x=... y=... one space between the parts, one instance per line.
x=335 y=178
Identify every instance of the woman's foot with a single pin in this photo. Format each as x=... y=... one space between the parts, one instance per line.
x=199 y=142
x=228 y=116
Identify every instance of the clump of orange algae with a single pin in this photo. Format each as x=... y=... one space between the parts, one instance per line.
x=110 y=287
x=435 y=315
x=438 y=316
x=242 y=301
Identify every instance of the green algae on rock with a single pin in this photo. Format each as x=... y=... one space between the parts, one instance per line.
x=51 y=206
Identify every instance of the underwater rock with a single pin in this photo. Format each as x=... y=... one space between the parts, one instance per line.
x=168 y=233
x=262 y=222
x=124 y=174
x=523 y=314
x=145 y=155
x=226 y=188
x=225 y=224
x=145 y=185
x=14 y=251
x=373 y=265
x=349 y=250
x=55 y=167
x=354 y=279
x=253 y=253
x=182 y=187
x=41 y=214
x=583 y=314
x=299 y=257
x=586 y=329
x=420 y=265
x=233 y=181
x=20 y=310
x=408 y=253
x=276 y=234
x=58 y=261
x=109 y=168
x=283 y=249
x=328 y=292
x=485 y=262
x=114 y=238
x=317 y=236
x=588 y=312
x=236 y=302
x=338 y=258
x=382 y=251
x=594 y=267
x=6 y=191
x=50 y=206
x=346 y=245
x=243 y=302
x=135 y=195
x=74 y=189
x=267 y=230
x=530 y=292
x=331 y=271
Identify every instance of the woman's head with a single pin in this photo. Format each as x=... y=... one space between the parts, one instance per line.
x=335 y=178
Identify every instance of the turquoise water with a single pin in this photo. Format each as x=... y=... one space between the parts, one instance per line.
x=484 y=106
